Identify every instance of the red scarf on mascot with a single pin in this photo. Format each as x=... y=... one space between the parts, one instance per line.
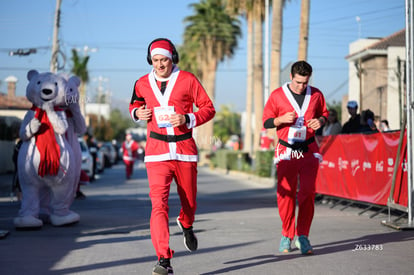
x=47 y=145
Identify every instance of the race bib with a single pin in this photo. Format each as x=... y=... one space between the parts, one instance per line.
x=163 y=115
x=297 y=134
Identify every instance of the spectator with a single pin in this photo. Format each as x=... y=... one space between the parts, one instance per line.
x=16 y=185
x=332 y=126
x=354 y=122
x=384 y=126
x=93 y=149
x=367 y=124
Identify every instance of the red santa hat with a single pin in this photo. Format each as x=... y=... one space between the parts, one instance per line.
x=162 y=47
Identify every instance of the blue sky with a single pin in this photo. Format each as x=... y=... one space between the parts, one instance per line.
x=121 y=30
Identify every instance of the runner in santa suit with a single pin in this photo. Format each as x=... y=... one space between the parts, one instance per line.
x=129 y=154
x=165 y=99
x=297 y=110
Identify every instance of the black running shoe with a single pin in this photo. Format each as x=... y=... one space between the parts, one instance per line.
x=190 y=239
x=163 y=267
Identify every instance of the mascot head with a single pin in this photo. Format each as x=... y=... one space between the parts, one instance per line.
x=71 y=89
x=45 y=87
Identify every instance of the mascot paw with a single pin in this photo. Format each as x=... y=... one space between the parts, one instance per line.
x=71 y=218
x=27 y=222
x=34 y=125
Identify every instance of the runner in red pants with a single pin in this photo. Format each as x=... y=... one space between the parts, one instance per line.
x=160 y=175
x=165 y=98
x=129 y=154
x=297 y=110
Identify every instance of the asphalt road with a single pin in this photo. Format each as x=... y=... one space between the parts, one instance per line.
x=237 y=225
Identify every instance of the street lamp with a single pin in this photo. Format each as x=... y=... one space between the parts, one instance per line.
x=87 y=50
x=100 y=79
x=22 y=52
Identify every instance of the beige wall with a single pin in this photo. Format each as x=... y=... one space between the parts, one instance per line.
x=395 y=90
x=374 y=87
x=17 y=113
x=353 y=84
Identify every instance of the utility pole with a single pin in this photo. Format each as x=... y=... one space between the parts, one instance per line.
x=360 y=72
x=266 y=61
x=304 y=30
x=409 y=38
x=399 y=76
x=55 y=45
x=100 y=99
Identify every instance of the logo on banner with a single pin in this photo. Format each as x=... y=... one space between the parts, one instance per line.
x=355 y=166
x=366 y=166
x=342 y=164
x=379 y=166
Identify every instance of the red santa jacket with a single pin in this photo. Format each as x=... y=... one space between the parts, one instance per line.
x=183 y=91
x=130 y=150
x=282 y=101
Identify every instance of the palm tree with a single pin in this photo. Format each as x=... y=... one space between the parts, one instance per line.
x=187 y=57
x=258 y=17
x=213 y=34
x=304 y=30
x=244 y=7
x=249 y=90
x=254 y=12
x=275 y=56
x=227 y=123
x=80 y=69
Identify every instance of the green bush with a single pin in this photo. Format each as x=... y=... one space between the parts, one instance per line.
x=231 y=160
x=240 y=161
x=264 y=163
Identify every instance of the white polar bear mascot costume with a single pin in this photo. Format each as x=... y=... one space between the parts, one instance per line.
x=46 y=165
x=76 y=124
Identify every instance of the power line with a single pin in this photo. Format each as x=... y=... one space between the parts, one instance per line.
x=337 y=89
x=338 y=19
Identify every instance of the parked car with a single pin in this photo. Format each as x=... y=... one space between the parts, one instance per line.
x=109 y=153
x=87 y=160
x=100 y=162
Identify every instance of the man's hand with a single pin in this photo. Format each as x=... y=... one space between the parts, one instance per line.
x=177 y=120
x=315 y=123
x=286 y=118
x=142 y=113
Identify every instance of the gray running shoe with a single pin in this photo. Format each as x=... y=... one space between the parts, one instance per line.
x=190 y=239
x=163 y=267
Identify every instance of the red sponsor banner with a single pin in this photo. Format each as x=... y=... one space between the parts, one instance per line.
x=360 y=167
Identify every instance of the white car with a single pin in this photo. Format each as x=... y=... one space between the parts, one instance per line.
x=100 y=162
x=87 y=161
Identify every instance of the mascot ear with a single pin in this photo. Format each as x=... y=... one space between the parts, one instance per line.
x=65 y=76
x=76 y=80
x=31 y=74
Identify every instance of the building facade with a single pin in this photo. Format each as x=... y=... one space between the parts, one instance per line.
x=376 y=77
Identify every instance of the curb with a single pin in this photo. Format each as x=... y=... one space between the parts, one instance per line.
x=263 y=181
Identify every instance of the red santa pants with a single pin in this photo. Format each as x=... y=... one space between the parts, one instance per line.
x=129 y=168
x=288 y=173
x=160 y=176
